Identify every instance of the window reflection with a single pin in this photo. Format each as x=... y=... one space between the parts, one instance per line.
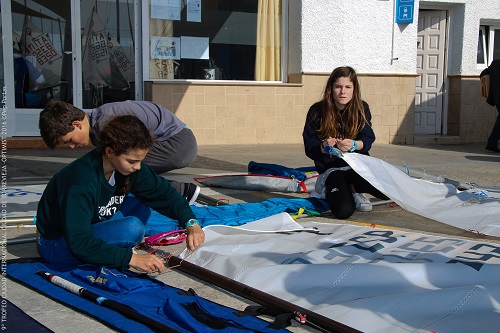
x=496 y=44
x=108 y=67
x=40 y=66
x=215 y=40
x=488 y=47
x=481 y=57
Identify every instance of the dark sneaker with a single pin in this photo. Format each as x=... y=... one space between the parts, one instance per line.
x=492 y=148
x=191 y=192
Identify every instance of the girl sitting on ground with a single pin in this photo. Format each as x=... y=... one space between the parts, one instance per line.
x=77 y=219
x=341 y=120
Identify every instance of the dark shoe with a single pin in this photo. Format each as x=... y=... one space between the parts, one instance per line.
x=492 y=148
x=191 y=192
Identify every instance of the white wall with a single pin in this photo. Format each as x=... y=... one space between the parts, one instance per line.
x=360 y=34
x=355 y=33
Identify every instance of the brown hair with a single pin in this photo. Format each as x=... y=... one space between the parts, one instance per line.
x=352 y=117
x=123 y=134
x=56 y=120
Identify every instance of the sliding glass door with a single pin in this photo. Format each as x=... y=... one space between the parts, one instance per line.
x=78 y=51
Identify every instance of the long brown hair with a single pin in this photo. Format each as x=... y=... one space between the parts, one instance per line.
x=341 y=123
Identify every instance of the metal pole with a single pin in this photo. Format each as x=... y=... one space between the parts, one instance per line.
x=19 y=220
x=107 y=303
x=443 y=180
x=204 y=199
x=21 y=240
x=257 y=296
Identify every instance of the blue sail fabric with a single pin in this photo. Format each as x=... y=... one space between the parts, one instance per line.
x=176 y=309
x=19 y=321
x=237 y=214
x=279 y=170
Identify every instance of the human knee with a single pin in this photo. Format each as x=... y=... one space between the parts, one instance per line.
x=182 y=163
x=338 y=206
x=135 y=228
x=342 y=213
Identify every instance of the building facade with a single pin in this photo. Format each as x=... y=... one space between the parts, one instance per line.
x=246 y=71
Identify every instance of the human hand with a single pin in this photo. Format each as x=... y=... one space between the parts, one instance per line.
x=328 y=146
x=148 y=263
x=345 y=144
x=195 y=237
x=328 y=142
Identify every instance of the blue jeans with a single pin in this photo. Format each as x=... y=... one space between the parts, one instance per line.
x=124 y=229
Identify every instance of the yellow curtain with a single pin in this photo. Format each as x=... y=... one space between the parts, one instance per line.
x=268 y=53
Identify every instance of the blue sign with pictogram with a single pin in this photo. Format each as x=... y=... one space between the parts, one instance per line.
x=404 y=11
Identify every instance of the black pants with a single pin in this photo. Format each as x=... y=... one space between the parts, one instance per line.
x=495 y=132
x=338 y=192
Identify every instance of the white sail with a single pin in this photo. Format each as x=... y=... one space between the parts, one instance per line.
x=104 y=60
x=120 y=60
x=95 y=60
x=370 y=279
x=36 y=44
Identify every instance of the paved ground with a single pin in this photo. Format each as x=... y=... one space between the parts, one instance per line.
x=463 y=163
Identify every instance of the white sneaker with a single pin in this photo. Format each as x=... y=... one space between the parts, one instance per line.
x=363 y=204
x=191 y=192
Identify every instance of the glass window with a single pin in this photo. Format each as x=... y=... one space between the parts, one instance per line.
x=108 y=51
x=494 y=44
x=481 y=47
x=41 y=70
x=214 y=40
x=488 y=46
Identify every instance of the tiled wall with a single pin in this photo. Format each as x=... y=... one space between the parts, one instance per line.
x=470 y=117
x=236 y=113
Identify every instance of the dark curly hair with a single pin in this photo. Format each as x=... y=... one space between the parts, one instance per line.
x=124 y=133
x=56 y=120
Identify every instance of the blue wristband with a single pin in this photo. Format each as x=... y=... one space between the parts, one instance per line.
x=354 y=146
x=192 y=223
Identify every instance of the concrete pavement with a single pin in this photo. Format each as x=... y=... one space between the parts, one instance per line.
x=464 y=163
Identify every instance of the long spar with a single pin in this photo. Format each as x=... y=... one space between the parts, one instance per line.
x=257 y=296
x=443 y=180
x=30 y=220
x=110 y=304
